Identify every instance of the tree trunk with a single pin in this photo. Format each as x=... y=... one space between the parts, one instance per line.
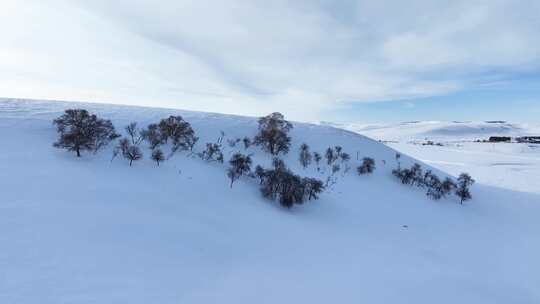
x=78 y=152
x=130 y=162
x=232 y=181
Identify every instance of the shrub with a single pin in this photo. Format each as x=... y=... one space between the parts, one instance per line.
x=239 y=165
x=426 y=177
x=82 y=131
x=280 y=183
x=260 y=173
x=417 y=175
x=448 y=186
x=463 y=184
x=317 y=157
x=305 y=155
x=130 y=151
x=247 y=142
x=330 y=156
x=405 y=175
x=434 y=187
x=313 y=187
x=335 y=168
x=411 y=176
x=158 y=156
x=368 y=166
x=345 y=157
x=333 y=154
x=212 y=153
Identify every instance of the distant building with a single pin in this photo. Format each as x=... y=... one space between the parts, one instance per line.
x=529 y=139
x=500 y=139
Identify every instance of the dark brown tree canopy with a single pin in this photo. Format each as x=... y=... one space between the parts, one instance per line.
x=158 y=156
x=239 y=165
x=272 y=136
x=80 y=131
x=368 y=166
x=152 y=135
x=281 y=183
x=463 y=184
x=179 y=132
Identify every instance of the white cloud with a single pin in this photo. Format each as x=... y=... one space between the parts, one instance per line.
x=251 y=57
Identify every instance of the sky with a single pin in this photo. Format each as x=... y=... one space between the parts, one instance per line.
x=342 y=61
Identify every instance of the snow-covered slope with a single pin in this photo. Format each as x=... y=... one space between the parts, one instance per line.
x=442 y=130
x=513 y=166
x=90 y=230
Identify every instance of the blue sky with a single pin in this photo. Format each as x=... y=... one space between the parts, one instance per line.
x=349 y=60
x=516 y=99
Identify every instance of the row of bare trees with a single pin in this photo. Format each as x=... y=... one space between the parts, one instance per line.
x=434 y=186
x=81 y=131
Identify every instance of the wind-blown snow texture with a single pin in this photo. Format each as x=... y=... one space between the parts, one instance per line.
x=90 y=230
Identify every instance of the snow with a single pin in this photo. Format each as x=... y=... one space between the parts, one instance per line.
x=442 y=130
x=513 y=166
x=90 y=230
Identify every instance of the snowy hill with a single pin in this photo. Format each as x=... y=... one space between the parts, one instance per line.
x=442 y=130
x=88 y=230
x=509 y=165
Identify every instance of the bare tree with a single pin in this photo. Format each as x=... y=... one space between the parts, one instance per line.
x=130 y=151
x=272 y=136
x=368 y=166
x=152 y=135
x=313 y=187
x=463 y=184
x=134 y=133
x=179 y=132
x=317 y=157
x=212 y=153
x=260 y=173
x=158 y=156
x=239 y=165
x=82 y=131
x=329 y=155
x=447 y=186
x=282 y=184
x=345 y=157
x=247 y=142
x=305 y=156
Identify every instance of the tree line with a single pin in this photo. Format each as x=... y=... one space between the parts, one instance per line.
x=80 y=131
x=434 y=186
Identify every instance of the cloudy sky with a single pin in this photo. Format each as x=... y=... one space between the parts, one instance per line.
x=313 y=60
